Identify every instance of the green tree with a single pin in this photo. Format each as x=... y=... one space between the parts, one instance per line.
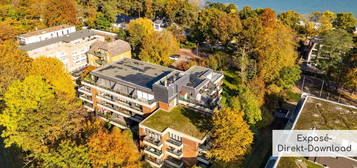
x=335 y=46
x=290 y=18
x=345 y=21
x=216 y=25
x=159 y=47
x=139 y=30
x=247 y=12
x=102 y=22
x=288 y=77
x=249 y=105
x=35 y=118
x=67 y=155
x=231 y=135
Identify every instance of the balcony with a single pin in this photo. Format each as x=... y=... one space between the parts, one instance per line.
x=88 y=81
x=119 y=103
x=174 y=143
x=119 y=111
x=119 y=122
x=154 y=162
x=174 y=152
x=153 y=152
x=202 y=158
x=84 y=90
x=174 y=162
x=86 y=98
x=153 y=142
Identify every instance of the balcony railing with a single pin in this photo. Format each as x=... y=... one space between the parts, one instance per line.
x=85 y=90
x=155 y=162
x=88 y=80
x=153 y=152
x=119 y=102
x=112 y=119
x=174 y=162
x=174 y=152
x=153 y=142
x=175 y=143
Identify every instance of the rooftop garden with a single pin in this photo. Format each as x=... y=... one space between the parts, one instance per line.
x=293 y=162
x=180 y=119
x=320 y=114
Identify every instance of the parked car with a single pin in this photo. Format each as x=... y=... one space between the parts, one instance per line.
x=174 y=57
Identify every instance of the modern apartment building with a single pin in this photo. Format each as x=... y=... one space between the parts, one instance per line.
x=129 y=90
x=69 y=46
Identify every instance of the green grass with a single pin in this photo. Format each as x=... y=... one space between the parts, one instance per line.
x=180 y=119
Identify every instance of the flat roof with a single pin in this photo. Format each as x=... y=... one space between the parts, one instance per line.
x=180 y=119
x=66 y=38
x=134 y=72
x=324 y=114
x=46 y=30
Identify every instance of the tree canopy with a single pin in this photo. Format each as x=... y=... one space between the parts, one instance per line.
x=112 y=149
x=232 y=137
x=158 y=47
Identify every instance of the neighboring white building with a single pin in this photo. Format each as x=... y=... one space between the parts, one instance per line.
x=70 y=47
x=45 y=34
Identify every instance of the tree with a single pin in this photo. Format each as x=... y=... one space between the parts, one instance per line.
x=276 y=49
x=231 y=135
x=335 y=45
x=113 y=149
x=14 y=64
x=249 y=105
x=216 y=25
x=290 y=18
x=7 y=32
x=326 y=19
x=102 y=22
x=345 y=21
x=67 y=155
x=158 y=48
x=247 y=12
x=28 y=116
x=288 y=77
x=139 y=30
x=53 y=71
x=35 y=118
x=60 y=12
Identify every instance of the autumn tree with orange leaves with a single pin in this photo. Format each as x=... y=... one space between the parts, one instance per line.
x=60 y=12
x=113 y=149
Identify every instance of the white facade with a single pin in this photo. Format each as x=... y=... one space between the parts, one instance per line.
x=72 y=54
x=45 y=34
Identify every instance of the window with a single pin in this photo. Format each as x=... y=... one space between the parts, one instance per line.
x=146 y=96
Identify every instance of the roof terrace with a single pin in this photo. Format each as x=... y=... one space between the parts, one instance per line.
x=180 y=119
x=323 y=114
x=133 y=72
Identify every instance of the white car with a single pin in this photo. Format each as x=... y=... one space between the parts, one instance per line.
x=174 y=57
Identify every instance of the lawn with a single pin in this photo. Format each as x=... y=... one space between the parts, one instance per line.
x=180 y=119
